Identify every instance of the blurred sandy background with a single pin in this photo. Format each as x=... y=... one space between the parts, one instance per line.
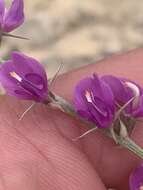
x=78 y=32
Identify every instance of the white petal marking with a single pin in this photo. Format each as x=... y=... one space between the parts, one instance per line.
x=88 y=97
x=136 y=92
x=16 y=76
x=134 y=88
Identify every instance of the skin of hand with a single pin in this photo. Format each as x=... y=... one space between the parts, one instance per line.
x=38 y=153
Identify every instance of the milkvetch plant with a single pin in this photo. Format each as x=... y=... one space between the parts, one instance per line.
x=106 y=103
x=95 y=100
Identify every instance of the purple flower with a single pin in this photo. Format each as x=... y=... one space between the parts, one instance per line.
x=24 y=78
x=124 y=90
x=94 y=101
x=11 y=18
x=136 y=179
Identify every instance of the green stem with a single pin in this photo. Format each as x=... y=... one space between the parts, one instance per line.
x=131 y=145
x=64 y=105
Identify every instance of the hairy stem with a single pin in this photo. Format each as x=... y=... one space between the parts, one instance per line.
x=131 y=145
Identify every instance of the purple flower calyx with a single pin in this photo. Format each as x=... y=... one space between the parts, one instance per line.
x=16 y=76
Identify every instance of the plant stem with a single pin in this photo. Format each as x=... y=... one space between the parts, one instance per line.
x=60 y=102
x=131 y=145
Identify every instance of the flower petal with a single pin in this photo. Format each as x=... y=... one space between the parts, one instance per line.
x=101 y=89
x=79 y=98
x=21 y=94
x=24 y=64
x=138 y=112
x=121 y=93
x=136 y=178
x=14 y=16
x=10 y=84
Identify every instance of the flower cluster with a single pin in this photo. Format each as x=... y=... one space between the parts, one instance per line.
x=98 y=99
x=108 y=102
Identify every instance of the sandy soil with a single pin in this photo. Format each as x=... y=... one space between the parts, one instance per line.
x=78 y=32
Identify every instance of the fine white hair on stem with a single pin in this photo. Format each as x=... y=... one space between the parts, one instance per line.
x=84 y=134
x=27 y=110
x=14 y=36
x=55 y=75
x=124 y=107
